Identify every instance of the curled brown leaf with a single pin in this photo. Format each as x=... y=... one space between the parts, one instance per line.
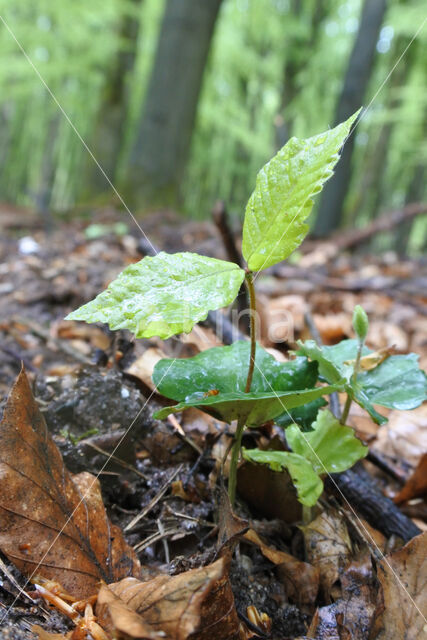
x=50 y=523
x=197 y=604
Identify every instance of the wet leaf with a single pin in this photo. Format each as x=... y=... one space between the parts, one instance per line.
x=306 y=481
x=328 y=547
x=215 y=380
x=330 y=447
x=396 y=383
x=403 y=578
x=197 y=604
x=301 y=579
x=226 y=369
x=282 y=200
x=164 y=295
x=254 y=408
x=303 y=416
x=50 y=523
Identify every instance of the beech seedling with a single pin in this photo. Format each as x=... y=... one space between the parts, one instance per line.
x=168 y=294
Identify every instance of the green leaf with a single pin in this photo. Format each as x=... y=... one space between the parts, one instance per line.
x=303 y=416
x=254 y=408
x=396 y=383
x=282 y=200
x=226 y=369
x=330 y=447
x=275 y=385
x=164 y=295
x=307 y=483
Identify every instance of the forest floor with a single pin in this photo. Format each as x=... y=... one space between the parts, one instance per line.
x=337 y=577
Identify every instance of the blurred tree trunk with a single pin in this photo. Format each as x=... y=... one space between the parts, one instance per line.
x=397 y=81
x=111 y=119
x=359 y=69
x=160 y=153
x=299 y=48
x=43 y=194
x=415 y=193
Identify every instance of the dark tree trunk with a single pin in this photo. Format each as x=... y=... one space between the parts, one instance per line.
x=111 y=119
x=359 y=69
x=160 y=153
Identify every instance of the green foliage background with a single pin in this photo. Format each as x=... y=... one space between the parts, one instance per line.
x=74 y=44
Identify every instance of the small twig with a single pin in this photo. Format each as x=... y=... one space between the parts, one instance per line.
x=156 y=537
x=179 y=431
x=164 y=541
x=223 y=328
x=14 y=582
x=184 y=516
x=18 y=357
x=220 y=217
x=119 y=461
x=155 y=500
x=221 y=220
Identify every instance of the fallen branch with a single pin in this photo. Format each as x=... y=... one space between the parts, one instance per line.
x=352 y=237
x=365 y=497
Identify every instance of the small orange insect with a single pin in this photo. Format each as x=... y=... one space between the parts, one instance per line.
x=211 y=392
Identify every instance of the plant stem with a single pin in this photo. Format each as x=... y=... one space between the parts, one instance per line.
x=235 y=452
x=252 y=307
x=346 y=410
x=232 y=478
x=353 y=379
x=307 y=514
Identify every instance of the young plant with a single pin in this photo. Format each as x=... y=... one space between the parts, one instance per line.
x=168 y=294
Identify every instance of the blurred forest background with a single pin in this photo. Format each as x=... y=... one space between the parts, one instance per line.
x=182 y=102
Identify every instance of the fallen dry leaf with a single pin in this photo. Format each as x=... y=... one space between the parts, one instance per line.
x=416 y=486
x=350 y=617
x=301 y=579
x=202 y=338
x=197 y=604
x=405 y=435
x=143 y=367
x=384 y=333
x=52 y=524
x=403 y=577
x=283 y=317
x=328 y=547
x=74 y=330
x=333 y=327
